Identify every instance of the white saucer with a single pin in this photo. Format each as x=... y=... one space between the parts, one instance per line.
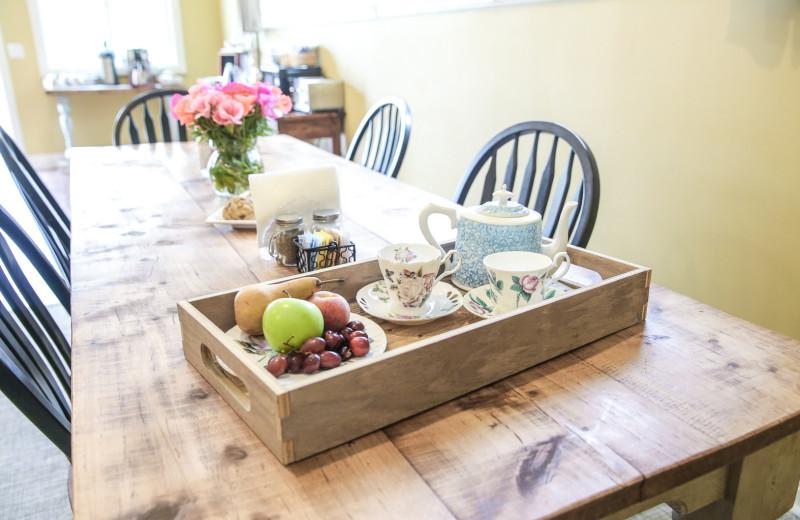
x=374 y=299
x=260 y=353
x=479 y=302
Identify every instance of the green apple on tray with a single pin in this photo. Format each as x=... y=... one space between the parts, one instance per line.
x=307 y=328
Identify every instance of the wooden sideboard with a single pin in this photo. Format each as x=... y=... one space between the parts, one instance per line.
x=314 y=125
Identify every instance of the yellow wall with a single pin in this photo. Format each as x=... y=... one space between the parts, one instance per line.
x=93 y=114
x=691 y=108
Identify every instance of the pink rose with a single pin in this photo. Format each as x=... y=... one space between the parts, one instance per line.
x=198 y=89
x=529 y=283
x=247 y=101
x=201 y=105
x=272 y=102
x=235 y=88
x=229 y=112
x=181 y=109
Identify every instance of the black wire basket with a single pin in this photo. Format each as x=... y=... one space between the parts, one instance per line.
x=313 y=258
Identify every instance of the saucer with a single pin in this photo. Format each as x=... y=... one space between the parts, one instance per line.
x=259 y=352
x=479 y=302
x=374 y=299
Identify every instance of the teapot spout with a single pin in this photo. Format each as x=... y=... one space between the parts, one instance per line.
x=559 y=241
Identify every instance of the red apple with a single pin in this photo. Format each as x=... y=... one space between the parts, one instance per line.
x=335 y=309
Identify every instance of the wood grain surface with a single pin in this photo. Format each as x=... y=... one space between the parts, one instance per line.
x=692 y=395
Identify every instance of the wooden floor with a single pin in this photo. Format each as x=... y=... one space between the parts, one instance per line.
x=33 y=473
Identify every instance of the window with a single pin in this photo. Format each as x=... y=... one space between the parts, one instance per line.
x=70 y=35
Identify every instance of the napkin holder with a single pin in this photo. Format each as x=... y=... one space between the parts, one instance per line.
x=297 y=191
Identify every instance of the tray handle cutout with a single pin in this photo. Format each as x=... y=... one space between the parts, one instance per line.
x=224 y=375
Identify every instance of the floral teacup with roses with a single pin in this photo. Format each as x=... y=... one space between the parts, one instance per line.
x=410 y=271
x=520 y=278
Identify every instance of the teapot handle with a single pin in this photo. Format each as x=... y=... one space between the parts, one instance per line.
x=429 y=210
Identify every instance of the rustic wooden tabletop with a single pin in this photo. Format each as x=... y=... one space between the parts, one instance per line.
x=693 y=406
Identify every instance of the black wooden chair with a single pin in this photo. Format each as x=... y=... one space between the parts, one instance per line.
x=538 y=142
x=381 y=139
x=152 y=111
x=35 y=355
x=51 y=219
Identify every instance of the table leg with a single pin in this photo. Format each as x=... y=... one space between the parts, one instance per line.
x=65 y=119
x=762 y=486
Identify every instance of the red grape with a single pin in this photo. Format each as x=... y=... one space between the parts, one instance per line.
x=345 y=353
x=311 y=363
x=330 y=359
x=357 y=334
x=333 y=340
x=345 y=332
x=313 y=345
x=356 y=325
x=295 y=362
x=359 y=346
x=277 y=365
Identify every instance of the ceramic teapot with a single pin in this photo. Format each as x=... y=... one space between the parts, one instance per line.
x=496 y=226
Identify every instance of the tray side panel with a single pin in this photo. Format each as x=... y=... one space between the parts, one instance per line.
x=244 y=389
x=437 y=369
x=605 y=266
x=218 y=308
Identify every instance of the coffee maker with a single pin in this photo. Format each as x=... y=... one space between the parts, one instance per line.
x=139 y=67
x=286 y=77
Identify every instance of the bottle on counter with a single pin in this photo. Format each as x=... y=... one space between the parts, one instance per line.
x=109 y=70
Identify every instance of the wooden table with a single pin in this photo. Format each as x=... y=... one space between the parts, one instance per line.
x=693 y=407
x=314 y=125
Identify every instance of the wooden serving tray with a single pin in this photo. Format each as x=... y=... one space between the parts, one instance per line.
x=423 y=366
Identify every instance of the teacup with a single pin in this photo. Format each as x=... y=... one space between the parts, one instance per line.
x=410 y=274
x=520 y=278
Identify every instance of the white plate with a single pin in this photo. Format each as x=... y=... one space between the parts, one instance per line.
x=216 y=218
x=260 y=353
x=374 y=299
x=479 y=302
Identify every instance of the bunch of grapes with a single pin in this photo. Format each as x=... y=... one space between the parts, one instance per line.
x=328 y=351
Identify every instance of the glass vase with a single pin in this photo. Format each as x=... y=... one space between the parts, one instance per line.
x=230 y=164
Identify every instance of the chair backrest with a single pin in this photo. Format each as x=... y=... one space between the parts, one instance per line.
x=35 y=356
x=381 y=139
x=538 y=142
x=49 y=216
x=152 y=111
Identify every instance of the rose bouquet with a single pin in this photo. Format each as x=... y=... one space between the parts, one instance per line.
x=231 y=117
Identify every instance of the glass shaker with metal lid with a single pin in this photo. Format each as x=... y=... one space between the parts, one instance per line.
x=281 y=243
x=329 y=221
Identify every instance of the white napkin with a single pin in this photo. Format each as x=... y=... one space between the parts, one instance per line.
x=299 y=192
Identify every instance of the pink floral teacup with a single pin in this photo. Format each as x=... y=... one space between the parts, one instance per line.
x=520 y=278
x=410 y=271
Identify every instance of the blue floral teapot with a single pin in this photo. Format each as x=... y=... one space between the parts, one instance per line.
x=496 y=226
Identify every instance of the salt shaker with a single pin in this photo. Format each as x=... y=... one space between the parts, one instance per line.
x=330 y=221
x=281 y=243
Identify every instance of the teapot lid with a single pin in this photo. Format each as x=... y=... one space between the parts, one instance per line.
x=503 y=206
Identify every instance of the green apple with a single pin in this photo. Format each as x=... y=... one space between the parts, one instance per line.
x=288 y=322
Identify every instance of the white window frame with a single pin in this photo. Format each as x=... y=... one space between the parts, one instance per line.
x=120 y=61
